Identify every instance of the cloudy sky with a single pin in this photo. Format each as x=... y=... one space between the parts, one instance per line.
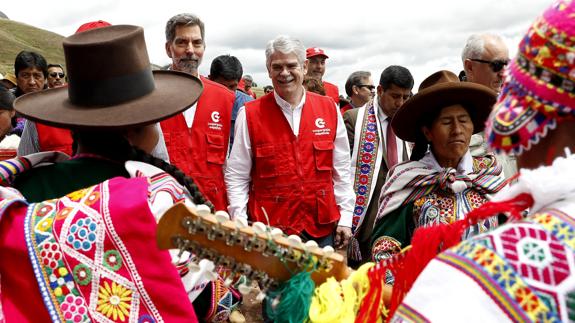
x=422 y=35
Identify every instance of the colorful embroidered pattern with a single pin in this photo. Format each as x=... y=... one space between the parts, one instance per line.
x=102 y=283
x=405 y=313
x=163 y=182
x=365 y=165
x=540 y=86
x=224 y=300
x=12 y=167
x=526 y=268
x=384 y=247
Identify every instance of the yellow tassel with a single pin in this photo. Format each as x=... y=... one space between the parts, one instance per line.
x=339 y=301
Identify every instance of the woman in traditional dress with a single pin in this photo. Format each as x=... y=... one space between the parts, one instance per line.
x=523 y=271
x=77 y=236
x=442 y=181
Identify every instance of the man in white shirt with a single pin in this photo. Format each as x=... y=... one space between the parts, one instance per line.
x=289 y=165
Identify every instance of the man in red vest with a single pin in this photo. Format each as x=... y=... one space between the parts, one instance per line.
x=290 y=165
x=197 y=139
x=316 y=68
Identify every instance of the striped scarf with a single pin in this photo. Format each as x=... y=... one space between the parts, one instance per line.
x=413 y=180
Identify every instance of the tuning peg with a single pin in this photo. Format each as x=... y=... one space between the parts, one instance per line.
x=259 y=227
x=328 y=251
x=208 y=267
x=311 y=245
x=277 y=232
x=294 y=240
x=241 y=222
x=222 y=216
x=202 y=209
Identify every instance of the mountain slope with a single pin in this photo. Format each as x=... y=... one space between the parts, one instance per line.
x=16 y=36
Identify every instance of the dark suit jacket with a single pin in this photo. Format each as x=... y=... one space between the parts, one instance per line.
x=364 y=233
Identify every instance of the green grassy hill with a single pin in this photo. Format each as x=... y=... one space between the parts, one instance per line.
x=16 y=36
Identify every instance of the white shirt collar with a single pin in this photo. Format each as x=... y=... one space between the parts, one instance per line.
x=465 y=165
x=286 y=105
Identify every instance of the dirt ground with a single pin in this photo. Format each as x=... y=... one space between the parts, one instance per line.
x=251 y=308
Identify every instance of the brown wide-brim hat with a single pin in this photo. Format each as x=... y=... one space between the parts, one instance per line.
x=111 y=85
x=440 y=90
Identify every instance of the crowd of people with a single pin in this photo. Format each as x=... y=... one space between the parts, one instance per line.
x=106 y=145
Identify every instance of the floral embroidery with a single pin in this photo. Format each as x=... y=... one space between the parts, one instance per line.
x=74 y=309
x=93 y=198
x=82 y=274
x=146 y=319
x=45 y=224
x=44 y=209
x=61 y=282
x=82 y=234
x=114 y=301
x=112 y=260
x=77 y=195
x=50 y=255
x=63 y=213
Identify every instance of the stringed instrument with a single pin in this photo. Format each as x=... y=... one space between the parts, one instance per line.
x=255 y=251
x=259 y=252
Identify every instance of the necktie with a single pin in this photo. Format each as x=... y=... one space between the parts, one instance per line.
x=391 y=145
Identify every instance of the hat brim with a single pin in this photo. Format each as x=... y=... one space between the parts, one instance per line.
x=477 y=99
x=174 y=92
x=315 y=55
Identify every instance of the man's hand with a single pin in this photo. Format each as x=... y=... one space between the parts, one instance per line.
x=342 y=236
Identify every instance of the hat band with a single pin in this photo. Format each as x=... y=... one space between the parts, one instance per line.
x=110 y=91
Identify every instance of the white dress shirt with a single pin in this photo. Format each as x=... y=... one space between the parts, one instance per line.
x=384 y=123
x=189 y=115
x=239 y=165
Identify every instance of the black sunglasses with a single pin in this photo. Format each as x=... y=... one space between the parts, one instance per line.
x=496 y=65
x=369 y=87
x=54 y=74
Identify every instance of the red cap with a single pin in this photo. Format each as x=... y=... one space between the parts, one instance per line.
x=315 y=51
x=92 y=25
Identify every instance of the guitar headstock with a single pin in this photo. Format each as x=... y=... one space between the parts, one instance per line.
x=259 y=252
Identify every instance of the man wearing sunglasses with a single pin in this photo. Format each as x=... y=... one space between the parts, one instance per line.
x=56 y=75
x=485 y=57
x=360 y=89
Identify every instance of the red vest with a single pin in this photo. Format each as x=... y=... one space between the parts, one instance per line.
x=331 y=91
x=200 y=151
x=292 y=176
x=54 y=139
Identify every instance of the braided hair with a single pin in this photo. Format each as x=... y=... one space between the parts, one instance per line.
x=113 y=145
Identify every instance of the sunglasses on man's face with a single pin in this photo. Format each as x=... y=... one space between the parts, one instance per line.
x=496 y=65
x=368 y=86
x=54 y=74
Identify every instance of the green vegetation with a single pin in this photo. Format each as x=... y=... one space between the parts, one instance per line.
x=16 y=36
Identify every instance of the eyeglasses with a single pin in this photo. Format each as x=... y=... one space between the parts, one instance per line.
x=369 y=87
x=54 y=74
x=496 y=65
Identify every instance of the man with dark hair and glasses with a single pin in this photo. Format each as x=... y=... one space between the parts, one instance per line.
x=56 y=76
x=374 y=150
x=360 y=89
x=485 y=57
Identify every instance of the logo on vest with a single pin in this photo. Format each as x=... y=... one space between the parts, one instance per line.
x=216 y=124
x=322 y=130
